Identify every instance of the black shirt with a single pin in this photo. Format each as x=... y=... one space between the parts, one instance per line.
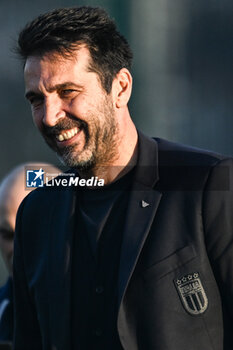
x=96 y=253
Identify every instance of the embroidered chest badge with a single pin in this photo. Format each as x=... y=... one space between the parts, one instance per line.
x=192 y=293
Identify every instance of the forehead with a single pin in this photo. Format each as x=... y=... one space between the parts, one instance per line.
x=53 y=66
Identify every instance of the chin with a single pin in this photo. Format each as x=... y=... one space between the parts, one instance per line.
x=73 y=161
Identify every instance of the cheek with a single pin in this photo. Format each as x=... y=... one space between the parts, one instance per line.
x=82 y=106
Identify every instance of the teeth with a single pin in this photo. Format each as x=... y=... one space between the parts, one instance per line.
x=67 y=134
x=60 y=137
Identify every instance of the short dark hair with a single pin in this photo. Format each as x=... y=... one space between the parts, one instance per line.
x=61 y=30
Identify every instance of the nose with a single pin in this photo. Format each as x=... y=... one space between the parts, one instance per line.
x=53 y=111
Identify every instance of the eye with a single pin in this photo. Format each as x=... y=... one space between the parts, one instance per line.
x=67 y=92
x=35 y=100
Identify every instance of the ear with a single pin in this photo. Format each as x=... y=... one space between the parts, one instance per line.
x=122 y=87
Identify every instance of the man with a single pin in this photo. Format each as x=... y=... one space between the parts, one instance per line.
x=12 y=192
x=143 y=263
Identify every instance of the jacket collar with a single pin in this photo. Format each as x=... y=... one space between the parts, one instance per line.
x=147 y=165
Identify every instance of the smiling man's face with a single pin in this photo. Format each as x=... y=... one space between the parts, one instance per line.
x=71 y=109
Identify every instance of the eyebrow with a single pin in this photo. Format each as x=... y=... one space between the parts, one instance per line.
x=65 y=85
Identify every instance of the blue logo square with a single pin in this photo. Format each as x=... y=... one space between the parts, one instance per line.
x=35 y=178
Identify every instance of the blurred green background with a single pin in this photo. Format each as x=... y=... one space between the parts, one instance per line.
x=183 y=76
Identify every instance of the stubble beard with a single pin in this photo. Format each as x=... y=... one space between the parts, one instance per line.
x=101 y=140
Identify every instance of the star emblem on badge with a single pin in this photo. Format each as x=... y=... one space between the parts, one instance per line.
x=39 y=173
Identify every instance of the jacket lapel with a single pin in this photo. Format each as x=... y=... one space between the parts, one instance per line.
x=62 y=221
x=143 y=203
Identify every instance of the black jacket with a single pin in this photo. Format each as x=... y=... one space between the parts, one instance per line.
x=175 y=286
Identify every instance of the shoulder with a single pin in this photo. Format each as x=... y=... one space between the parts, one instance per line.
x=180 y=154
x=36 y=203
x=183 y=167
x=40 y=205
x=43 y=198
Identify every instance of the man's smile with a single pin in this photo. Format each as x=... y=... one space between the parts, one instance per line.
x=67 y=137
x=68 y=134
